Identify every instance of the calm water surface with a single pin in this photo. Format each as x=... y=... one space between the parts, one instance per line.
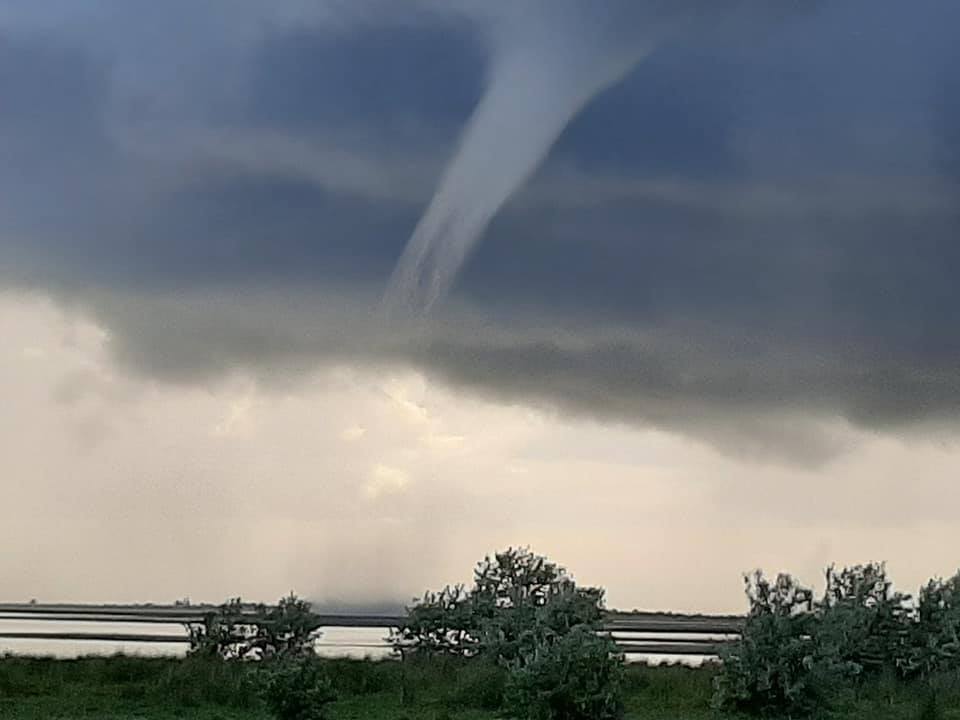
x=334 y=642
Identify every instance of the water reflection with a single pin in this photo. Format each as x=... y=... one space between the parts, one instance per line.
x=333 y=642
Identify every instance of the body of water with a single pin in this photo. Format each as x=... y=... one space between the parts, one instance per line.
x=333 y=642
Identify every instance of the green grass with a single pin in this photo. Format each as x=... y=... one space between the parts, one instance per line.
x=166 y=689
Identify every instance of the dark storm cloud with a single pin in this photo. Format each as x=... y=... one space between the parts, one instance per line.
x=756 y=224
x=51 y=136
x=380 y=77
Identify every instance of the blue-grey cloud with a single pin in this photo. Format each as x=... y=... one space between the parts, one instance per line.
x=791 y=185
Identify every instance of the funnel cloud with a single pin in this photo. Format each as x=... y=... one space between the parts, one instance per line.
x=539 y=79
x=548 y=61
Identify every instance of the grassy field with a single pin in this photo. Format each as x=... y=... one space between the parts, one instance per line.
x=164 y=689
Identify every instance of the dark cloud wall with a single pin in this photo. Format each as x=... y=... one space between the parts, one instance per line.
x=791 y=186
x=379 y=78
x=51 y=137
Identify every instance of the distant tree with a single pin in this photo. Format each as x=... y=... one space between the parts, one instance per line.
x=778 y=667
x=936 y=637
x=242 y=631
x=511 y=590
x=864 y=621
x=440 y=623
x=526 y=615
x=796 y=655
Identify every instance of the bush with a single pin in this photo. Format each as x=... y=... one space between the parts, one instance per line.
x=779 y=666
x=240 y=631
x=796 y=655
x=512 y=591
x=483 y=685
x=573 y=676
x=863 y=622
x=936 y=637
x=296 y=689
x=526 y=616
x=290 y=629
x=441 y=623
x=520 y=598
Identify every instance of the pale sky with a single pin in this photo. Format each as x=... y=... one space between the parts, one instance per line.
x=714 y=329
x=364 y=486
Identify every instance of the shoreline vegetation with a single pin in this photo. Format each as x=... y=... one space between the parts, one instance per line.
x=442 y=688
x=526 y=642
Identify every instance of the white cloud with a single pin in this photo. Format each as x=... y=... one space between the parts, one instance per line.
x=385 y=480
x=406 y=394
x=237 y=421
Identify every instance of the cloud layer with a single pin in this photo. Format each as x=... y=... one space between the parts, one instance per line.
x=751 y=235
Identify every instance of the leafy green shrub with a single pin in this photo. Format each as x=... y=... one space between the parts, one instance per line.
x=241 y=631
x=296 y=689
x=796 y=654
x=936 y=637
x=528 y=624
x=863 y=622
x=572 y=676
x=442 y=622
x=482 y=685
x=512 y=591
x=521 y=598
x=290 y=629
x=226 y=633
x=778 y=667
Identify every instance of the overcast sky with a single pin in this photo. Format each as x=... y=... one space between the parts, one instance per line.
x=715 y=330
